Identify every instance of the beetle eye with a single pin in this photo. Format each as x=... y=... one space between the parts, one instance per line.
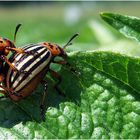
x=1 y=41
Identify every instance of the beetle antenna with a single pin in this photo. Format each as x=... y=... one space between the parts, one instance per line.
x=69 y=42
x=16 y=30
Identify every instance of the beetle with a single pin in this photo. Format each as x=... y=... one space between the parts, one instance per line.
x=5 y=47
x=20 y=85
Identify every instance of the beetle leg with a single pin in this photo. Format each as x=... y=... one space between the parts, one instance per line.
x=11 y=65
x=61 y=62
x=19 y=50
x=42 y=110
x=58 y=77
x=64 y=62
x=6 y=61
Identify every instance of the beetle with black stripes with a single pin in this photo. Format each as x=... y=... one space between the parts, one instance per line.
x=20 y=85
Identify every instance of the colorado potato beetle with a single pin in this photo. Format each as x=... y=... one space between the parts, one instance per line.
x=20 y=85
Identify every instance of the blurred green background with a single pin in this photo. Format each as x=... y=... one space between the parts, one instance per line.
x=58 y=21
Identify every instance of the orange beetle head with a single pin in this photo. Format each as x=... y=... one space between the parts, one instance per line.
x=5 y=43
x=57 y=50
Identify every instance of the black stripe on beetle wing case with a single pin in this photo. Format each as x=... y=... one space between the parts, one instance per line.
x=36 y=49
x=33 y=72
x=28 y=60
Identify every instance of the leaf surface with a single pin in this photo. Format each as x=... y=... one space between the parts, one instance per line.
x=102 y=101
x=127 y=25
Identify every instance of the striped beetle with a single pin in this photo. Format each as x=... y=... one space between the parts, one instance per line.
x=20 y=85
x=5 y=47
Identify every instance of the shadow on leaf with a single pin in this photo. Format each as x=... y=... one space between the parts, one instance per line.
x=28 y=109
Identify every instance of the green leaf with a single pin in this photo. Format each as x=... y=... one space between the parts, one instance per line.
x=103 y=101
x=127 y=25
